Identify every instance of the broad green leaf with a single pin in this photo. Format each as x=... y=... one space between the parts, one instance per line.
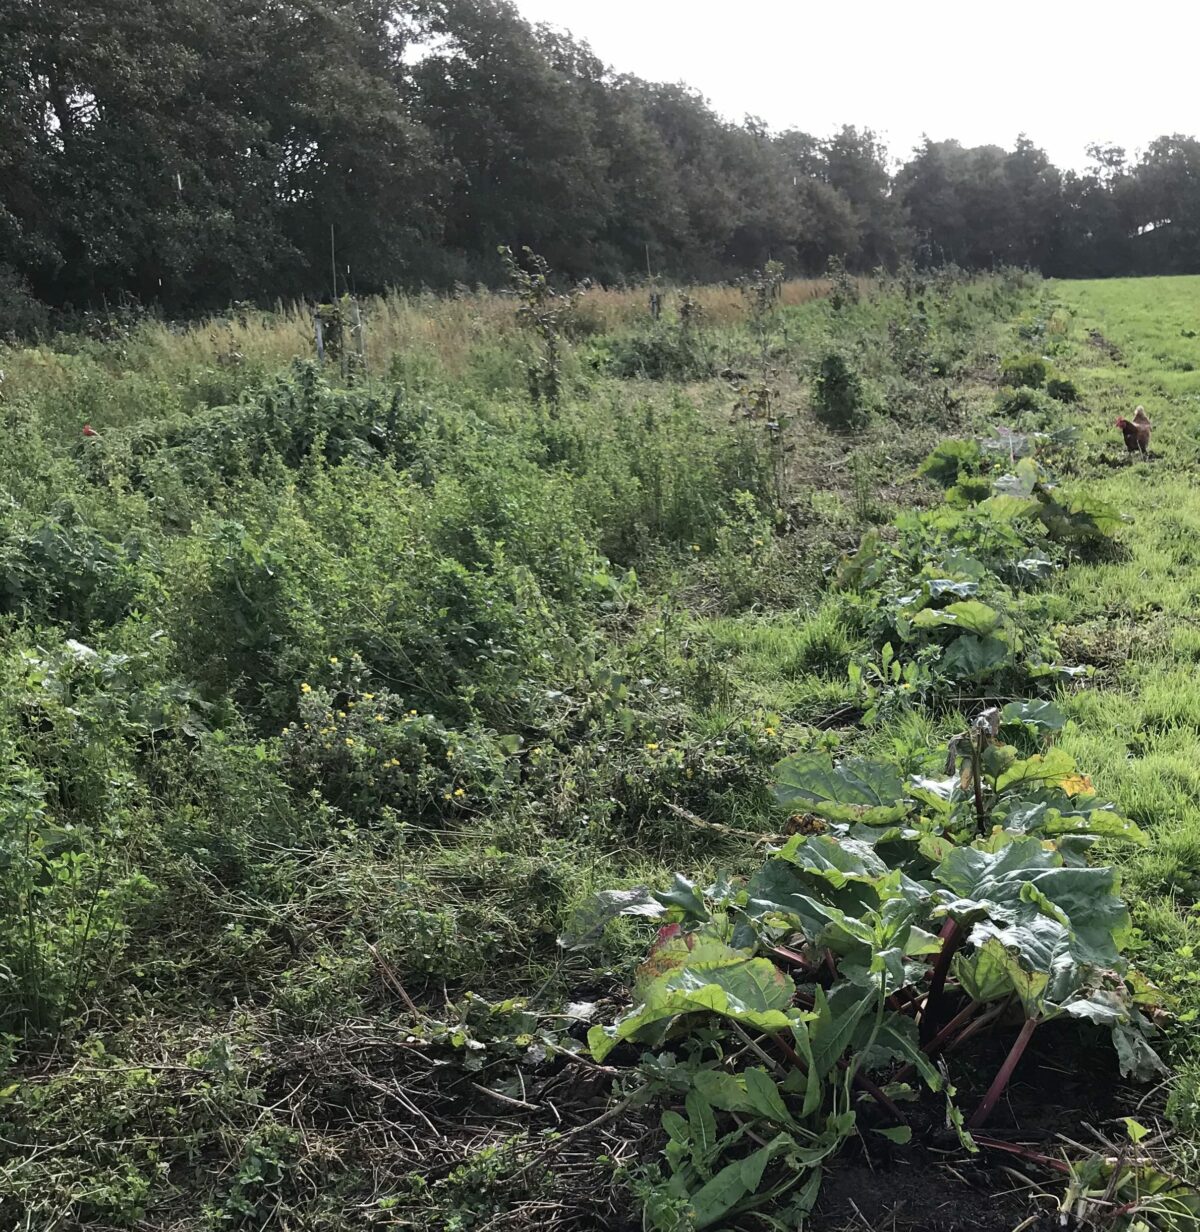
x=702 y=1131
x=830 y=1032
x=983 y=975
x=901 y=1134
x=1052 y=813
x=765 y=1098
x=837 y=861
x=724 y=1091
x=712 y=980
x=950 y=460
x=1049 y=768
x=734 y=1183
x=854 y=790
x=1007 y=894
x=1042 y=715
x=1005 y=507
x=970 y=657
x=682 y=894
x=969 y=615
x=1022 y=483
x=937 y=587
x=898 y=1036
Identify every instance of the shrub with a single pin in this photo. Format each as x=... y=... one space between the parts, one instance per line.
x=1062 y=390
x=368 y=751
x=1024 y=371
x=660 y=353
x=950 y=461
x=837 y=393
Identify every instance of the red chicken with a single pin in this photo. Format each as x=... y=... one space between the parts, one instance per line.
x=1137 y=432
x=88 y=430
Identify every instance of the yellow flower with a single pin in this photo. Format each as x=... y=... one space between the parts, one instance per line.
x=368 y=697
x=652 y=748
x=306 y=688
x=535 y=751
x=379 y=718
x=412 y=714
x=333 y=660
x=349 y=743
x=447 y=796
x=459 y=793
x=695 y=547
x=770 y=731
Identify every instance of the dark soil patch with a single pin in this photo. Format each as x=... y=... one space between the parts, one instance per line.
x=1101 y=343
x=1067 y=1086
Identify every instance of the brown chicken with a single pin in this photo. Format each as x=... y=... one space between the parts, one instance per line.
x=1137 y=432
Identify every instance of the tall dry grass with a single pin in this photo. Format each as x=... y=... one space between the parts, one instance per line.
x=445 y=329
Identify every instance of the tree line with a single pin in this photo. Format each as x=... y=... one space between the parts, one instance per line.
x=190 y=153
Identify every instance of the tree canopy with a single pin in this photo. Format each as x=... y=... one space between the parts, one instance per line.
x=187 y=153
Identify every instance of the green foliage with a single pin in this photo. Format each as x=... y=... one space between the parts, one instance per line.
x=837 y=393
x=1022 y=920
x=544 y=311
x=1024 y=371
x=1062 y=390
x=951 y=461
x=325 y=700
x=661 y=352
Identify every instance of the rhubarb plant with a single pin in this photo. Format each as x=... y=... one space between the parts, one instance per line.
x=928 y=909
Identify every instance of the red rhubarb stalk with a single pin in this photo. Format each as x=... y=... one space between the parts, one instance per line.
x=952 y=938
x=1002 y=1078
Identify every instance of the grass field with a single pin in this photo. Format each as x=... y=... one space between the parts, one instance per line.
x=330 y=700
x=1140 y=619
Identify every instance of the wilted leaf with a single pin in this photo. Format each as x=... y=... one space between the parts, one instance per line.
x=590 y=921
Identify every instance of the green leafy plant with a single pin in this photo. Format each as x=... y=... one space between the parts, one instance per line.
x=837 y=393
x=1024 y=371
x=976 y=882
x=1062 y=390
x=544 y=311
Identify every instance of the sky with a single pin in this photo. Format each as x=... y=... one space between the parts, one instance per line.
x=1065 y=72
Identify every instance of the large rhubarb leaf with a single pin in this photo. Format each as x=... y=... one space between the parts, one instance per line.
x=1019 y=891
x=970 y=657
x=970 y=616
x=708 y=978
x=854 y=790
x=1042 y=716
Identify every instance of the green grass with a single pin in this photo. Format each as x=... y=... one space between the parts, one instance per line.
x=393 y=675
x=1140 y=729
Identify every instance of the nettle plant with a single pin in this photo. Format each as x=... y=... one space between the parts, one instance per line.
x=544 y=311
x=910 y=913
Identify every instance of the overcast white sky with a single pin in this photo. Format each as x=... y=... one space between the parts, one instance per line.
x=1064 y=71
